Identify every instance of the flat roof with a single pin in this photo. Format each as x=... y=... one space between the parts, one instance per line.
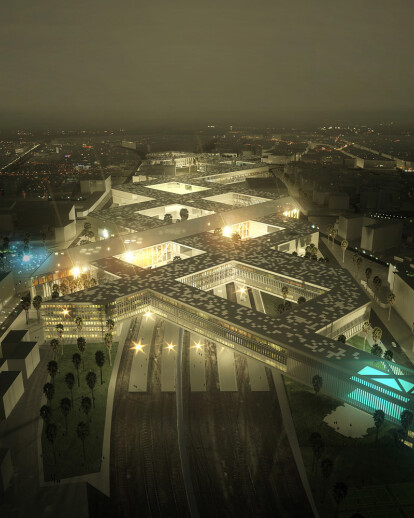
x=20 y=351
x=15 y=336
x=342 y=295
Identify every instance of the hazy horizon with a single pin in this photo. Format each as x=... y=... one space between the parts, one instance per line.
x=129 y=64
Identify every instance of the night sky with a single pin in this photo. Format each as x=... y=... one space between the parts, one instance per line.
x=172 y=62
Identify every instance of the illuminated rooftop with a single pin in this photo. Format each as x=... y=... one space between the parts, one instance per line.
x=177 y=187
x=237 y=199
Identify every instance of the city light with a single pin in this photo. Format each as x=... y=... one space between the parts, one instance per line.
x=148 y=314
x=26 y=258
x=227 y=231
x=105 y=233
x=75 y=271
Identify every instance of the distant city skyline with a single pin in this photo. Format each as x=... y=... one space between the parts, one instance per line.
x=135 y=64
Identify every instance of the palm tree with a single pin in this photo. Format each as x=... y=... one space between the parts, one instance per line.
x=326 y=469
x=79 y=323
x=86 y=405
x=51 y=433
x=354 y=260
x=379 y=418
x=279 y=308
x=76 y=359
x=100 y=360
x=81 y=346
x=6 y=243
x=368 y=273
x=108 y=343
x=339 y=493
x=376 y=349
x=342 y=338
x=334 y=232
x=329 y=229
x=388 y=355
x=358 y=263
x=83 y=432
x=25 y=305
x=168 y=218
x=184 y=214
x=52 y=368
x=344 y=246
x=301 y=300
x=391 y=300
x=376 y=334
x=91 y=382
x=317 y=383
x=54 y=344
x=110 y=325
x=236 y=237
x=70 y=382
x=59 y=330
x=45 y=413
x=65 y=406
x=177 y=259
x=26 y=243
x=366 y=328
x=406 y=419
x=377 y=284
x=49 y=391
x=37 y=304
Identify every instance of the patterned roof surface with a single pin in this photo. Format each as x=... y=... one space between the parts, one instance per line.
x=295 y=329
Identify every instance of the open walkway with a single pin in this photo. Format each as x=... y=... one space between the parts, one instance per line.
x=396 y=326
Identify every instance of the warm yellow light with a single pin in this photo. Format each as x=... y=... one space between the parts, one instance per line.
x=198 y=346
x=128 y=256
x=65 y=312
x=242 y=291
x=137 y=346
x=170 y=346
x=76 y=271
x=227 y=231
x=148 y=314
x=84 y=269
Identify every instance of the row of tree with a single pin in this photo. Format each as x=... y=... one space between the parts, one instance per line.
x=184 y=214
x=81 y=341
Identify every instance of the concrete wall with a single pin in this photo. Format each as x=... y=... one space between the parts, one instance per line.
x=375 y=238
x=6 y=469
x=350 y=228
x=12 y=396
x=126 y=198
x=65 y=233
x=404 y=299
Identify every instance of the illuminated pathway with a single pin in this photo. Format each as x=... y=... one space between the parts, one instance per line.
x=169 y=357
x=139 y=370
x=197 y=363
